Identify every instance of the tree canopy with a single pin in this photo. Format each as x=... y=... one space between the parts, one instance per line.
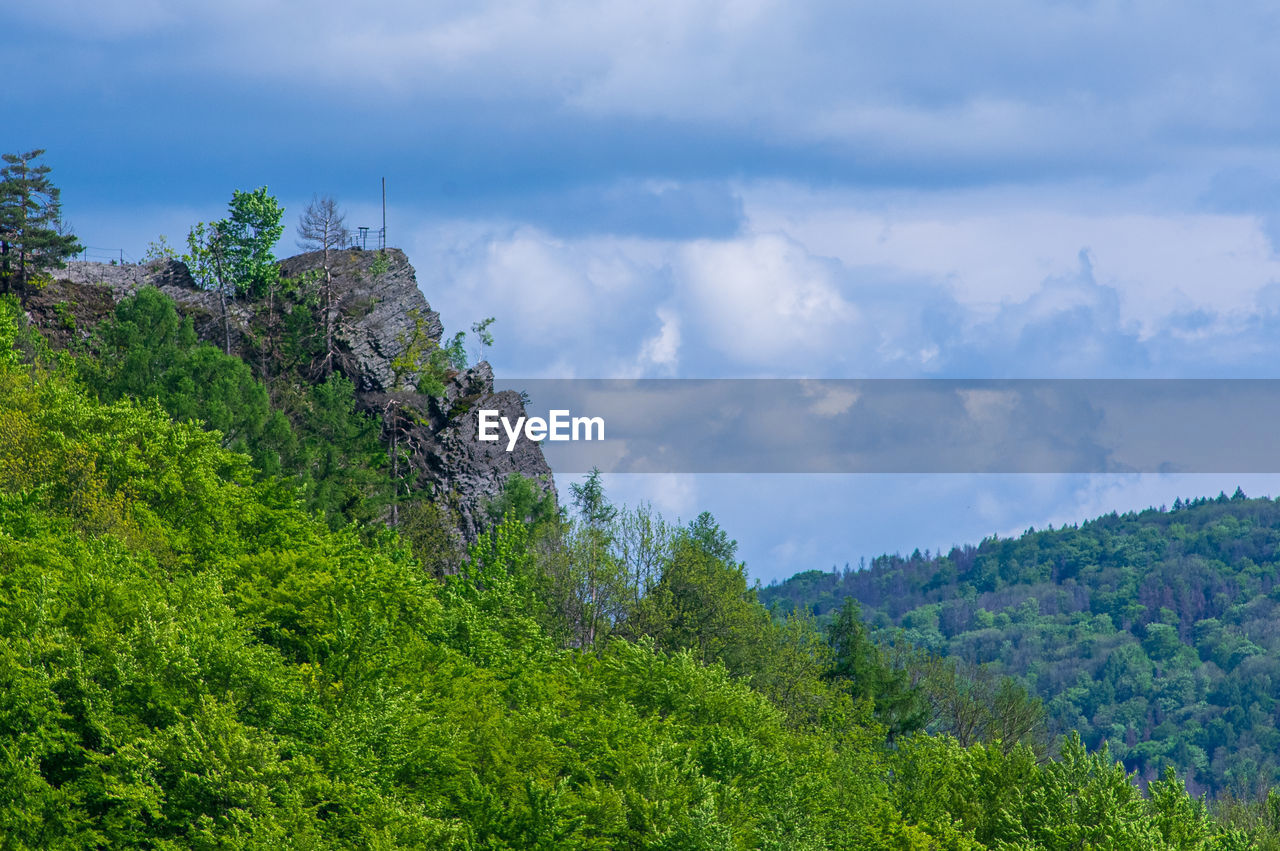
x=33 y=236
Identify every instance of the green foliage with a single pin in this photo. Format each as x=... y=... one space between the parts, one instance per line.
x=159 y=249
x=188 y=658
x=975 y=704
x=455 y=351
x=147 y=351
x=33 y=237
x=206 y=258
x=703 y=604
x=425 y=363
x=430 y=530
x=862 y=669
x=318 y=440
x=232 y=256
x=422 y=364
x=484 y=337
x=1154 y=633
x=252 y=230
x=526 y=500
x=345 y=460
x=590 y=502
x=10 y=330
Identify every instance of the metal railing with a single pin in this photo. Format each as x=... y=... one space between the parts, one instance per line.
x=117 y=256
x=365 y=237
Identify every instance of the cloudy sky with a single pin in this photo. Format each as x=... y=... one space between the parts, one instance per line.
x=741 y=188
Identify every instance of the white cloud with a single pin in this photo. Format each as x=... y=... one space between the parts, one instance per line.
x=830 y=400
x=564 y=307
x=765 y=300
x=842 y=283
x=991 y=252
x=676 y=497
x=663 y=349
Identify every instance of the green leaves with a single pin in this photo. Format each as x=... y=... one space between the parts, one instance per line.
x=188 y=658
x=862 y=669
x=251 y=231
x=33 y=237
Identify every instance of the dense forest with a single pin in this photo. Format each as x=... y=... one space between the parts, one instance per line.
x=215 y=633
x=1156 y=632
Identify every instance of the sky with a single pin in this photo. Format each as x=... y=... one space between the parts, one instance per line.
x=741 y=188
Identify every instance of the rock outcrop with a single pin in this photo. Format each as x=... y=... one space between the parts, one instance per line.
x=379 y=309
x=441 y=436
x=376 y=310
x=173 y=279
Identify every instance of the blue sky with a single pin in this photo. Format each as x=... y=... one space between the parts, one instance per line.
x=737 y=188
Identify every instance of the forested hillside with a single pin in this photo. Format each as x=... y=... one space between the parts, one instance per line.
x=1156 y=632
x=227 y=621
x=190 y=659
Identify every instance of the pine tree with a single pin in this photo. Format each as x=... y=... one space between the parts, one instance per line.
x=33 y=237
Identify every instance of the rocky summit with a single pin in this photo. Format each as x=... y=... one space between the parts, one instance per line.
x=379 y=310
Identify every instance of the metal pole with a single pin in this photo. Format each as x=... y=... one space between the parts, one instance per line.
x=384 y=212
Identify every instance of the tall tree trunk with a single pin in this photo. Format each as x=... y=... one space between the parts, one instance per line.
x=226 y=321
x=268 y=338
x=395 y=474
x=217 y=247
x=328 y=307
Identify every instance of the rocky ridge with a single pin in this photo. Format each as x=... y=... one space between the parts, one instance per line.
x=380 y=310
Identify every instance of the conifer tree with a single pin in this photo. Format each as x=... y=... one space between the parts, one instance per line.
x=33 y=237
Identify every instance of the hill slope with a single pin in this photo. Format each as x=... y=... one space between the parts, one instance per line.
x=1156 y=632
x=378 y=315
x=189 y=659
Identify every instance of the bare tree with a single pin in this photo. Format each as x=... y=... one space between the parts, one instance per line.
x=321 y=228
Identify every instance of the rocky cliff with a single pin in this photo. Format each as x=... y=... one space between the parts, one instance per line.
x=380 y=308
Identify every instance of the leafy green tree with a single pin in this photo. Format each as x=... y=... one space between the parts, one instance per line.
x=147 y=351
x=526 y=500
x=314 y=436
x=252 y=229
x=422 y=364
x=703 y=604
x=209 y=260
x=484 y=337
x=976 y=705
x=430 y=528
x=585 y=582
x=190 y=659
x=642 y=543
x=707 y=534
x=33 y=236
x=233 y=256
x=347 y=464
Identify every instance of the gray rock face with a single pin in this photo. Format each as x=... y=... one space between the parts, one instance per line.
x=376 y=310
x=173 y=279
x=379 y=310
x=464 y=471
